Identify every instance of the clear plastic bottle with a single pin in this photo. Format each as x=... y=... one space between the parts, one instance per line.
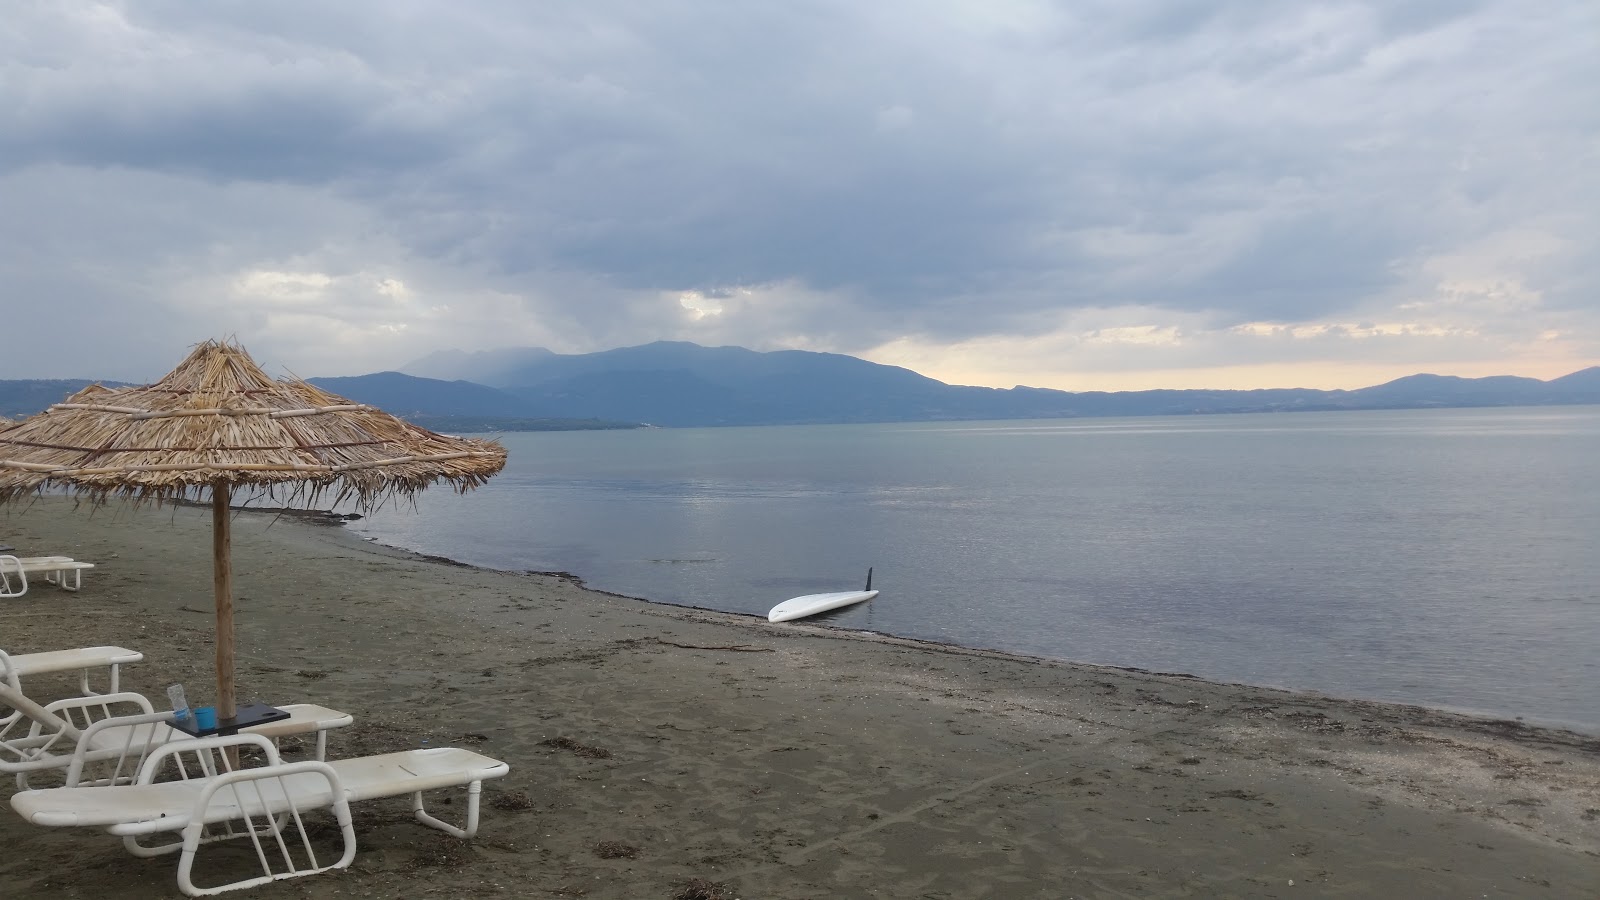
x=180 y=704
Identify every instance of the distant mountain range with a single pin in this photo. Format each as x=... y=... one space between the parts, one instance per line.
x=683 y=385
x=26 y=397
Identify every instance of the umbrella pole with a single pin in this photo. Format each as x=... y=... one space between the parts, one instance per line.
x=222 y=586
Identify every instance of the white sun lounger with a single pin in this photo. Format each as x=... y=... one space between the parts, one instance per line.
x=83 y=659
x=115 y=733
x=258 y=803
x=62 y=571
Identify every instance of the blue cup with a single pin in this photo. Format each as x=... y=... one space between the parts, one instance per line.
x=205 y=717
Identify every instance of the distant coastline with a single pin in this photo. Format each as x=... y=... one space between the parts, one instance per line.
x=490 y=424
x=683 y=385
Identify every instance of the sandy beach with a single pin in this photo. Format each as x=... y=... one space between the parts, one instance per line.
x=659 y=752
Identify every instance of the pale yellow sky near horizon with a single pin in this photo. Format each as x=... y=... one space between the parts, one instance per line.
x=1327 y=376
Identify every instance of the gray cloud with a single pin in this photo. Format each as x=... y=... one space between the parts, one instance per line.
x=825 y=174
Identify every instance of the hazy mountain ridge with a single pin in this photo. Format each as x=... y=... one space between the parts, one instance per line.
x=684 y=385
x=24 y=397
x=404 y=395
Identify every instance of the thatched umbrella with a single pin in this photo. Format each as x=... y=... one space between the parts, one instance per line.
x=218 y=422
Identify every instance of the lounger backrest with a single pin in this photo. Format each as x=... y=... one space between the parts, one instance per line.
x=113 y=747
x=81 y=712
x=39 y=739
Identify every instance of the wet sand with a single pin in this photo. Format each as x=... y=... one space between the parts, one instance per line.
x=659 y=752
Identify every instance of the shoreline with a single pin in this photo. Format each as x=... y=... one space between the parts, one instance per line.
x=794 y=761
x=1489 y=721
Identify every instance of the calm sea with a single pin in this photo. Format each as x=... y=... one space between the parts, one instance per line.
x=1447 y=558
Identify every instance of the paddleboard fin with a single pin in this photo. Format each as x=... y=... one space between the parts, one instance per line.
x=869 y=579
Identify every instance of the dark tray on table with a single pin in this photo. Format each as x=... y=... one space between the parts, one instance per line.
x=249 y=714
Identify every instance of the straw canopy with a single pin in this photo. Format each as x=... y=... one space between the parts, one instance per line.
x=218 y=418
x=218 y=422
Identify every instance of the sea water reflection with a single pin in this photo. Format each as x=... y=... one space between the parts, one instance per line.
x=1438 y=557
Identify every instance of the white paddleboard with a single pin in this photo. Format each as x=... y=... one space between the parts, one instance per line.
x=811 y=604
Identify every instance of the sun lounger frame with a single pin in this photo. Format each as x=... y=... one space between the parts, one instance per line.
x=84 y=659
x=211 y=801
x=55 y=569
x=106 y=730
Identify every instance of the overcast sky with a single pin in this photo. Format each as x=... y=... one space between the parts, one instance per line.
x=1097 y=194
